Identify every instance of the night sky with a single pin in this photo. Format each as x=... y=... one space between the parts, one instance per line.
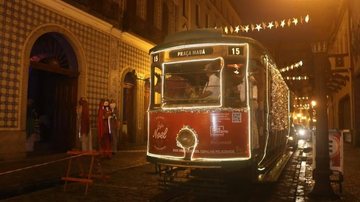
x=322 y=17
x=289 y=45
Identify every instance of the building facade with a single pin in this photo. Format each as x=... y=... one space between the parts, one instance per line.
x=344 y=102
x=354 y=24
x=55 y=52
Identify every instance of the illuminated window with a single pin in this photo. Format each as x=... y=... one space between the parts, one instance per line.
x=197 y=15
x=158 y=14
x=156 y=88
x=235 y=85
x=141 y=9
x=184 y=8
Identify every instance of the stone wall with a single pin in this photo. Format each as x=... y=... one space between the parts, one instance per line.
x=102 y=56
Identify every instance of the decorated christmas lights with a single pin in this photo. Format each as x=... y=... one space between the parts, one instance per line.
x=291 y=67
x=294 y=78
x=295 y=21
x=301 y=98
x=279 y=96
x=302 y=106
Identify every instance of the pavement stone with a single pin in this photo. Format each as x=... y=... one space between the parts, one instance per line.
x=351 y=183
x=296 y=186
x=41 y=172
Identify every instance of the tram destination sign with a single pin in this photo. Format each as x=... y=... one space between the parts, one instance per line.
x=191 y=52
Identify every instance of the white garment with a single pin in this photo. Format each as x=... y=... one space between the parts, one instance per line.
x=86 y=142
x=254 y=93
x=213 y=86
x=242 y=91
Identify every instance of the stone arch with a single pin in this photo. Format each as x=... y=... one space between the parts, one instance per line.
x=123 y=75
x=25 y=63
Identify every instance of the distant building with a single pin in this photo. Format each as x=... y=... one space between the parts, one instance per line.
x=55 y=52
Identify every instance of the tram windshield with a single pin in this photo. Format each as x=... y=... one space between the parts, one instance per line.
x=192 y=83
x=205 y=83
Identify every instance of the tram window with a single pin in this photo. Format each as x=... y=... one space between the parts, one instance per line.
x=235 y=89
x=195 y=83
x=157 y=87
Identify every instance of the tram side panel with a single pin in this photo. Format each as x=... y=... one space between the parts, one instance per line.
x=278 y=120
x=219 y=135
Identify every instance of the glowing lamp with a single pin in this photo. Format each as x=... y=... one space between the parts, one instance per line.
x=313 y=103
x=301 y=132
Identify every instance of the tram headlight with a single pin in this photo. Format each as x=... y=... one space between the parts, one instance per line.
x=186 y=139
x=302 y=132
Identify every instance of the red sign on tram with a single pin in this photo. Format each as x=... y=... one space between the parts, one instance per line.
x=222 y=134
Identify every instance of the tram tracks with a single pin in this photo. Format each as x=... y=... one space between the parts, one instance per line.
x=199 y=185
x=187 y=185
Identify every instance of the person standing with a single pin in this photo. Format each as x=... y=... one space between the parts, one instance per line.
x=32 y=125
x=242 y=90
x=104 y=128
x=84 y=125
x=212 y=88
x=114 y=126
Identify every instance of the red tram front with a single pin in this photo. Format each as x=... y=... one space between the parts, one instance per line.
x=210 y=103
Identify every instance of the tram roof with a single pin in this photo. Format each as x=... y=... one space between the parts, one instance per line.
x=203 y=36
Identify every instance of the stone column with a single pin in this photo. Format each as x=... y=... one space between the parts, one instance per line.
x=322 y=188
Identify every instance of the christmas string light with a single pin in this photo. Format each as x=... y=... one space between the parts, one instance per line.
x=295 y=21
x=291 y=67
x=294 y=78
x=301 y=98
x=302 y=106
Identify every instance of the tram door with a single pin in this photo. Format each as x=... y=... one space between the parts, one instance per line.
x=146 y=105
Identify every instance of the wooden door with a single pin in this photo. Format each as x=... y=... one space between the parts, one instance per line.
x=65 y=113
x=128 y=111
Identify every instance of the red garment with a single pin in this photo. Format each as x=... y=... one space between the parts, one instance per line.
x=103 y=129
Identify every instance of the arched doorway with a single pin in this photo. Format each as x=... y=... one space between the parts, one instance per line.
x=128 y=108
x=344 y=113
x=52 y=94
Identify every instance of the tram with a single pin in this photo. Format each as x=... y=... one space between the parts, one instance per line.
x=217 y=101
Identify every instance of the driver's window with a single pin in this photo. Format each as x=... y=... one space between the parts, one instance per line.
x=157 y=80
x=235 y=85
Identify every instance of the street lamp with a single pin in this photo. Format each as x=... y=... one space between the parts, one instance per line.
x=322 y=187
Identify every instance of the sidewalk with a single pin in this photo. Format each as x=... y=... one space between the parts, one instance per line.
x=39 y=172
x=351 y=184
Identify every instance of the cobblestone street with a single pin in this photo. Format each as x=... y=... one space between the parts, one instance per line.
x=180 y=100
x=133 y=179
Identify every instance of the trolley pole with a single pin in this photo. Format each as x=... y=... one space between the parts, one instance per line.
x=322 y=187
